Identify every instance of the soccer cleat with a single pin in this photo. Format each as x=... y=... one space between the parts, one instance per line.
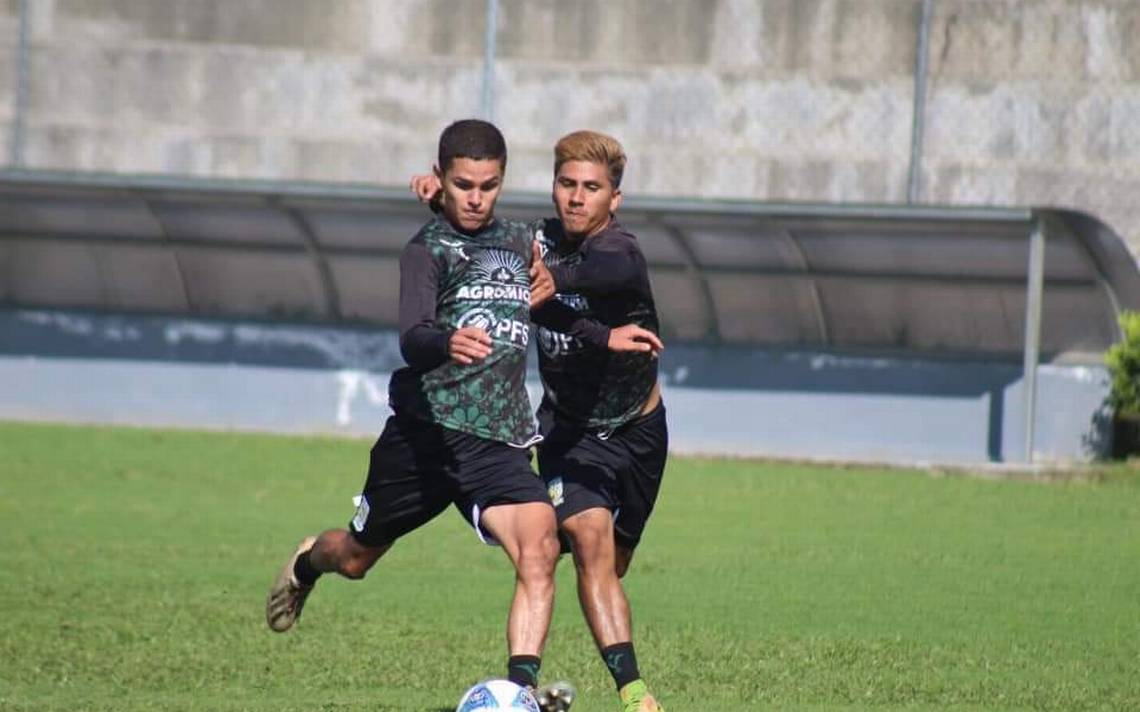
x=635 y=697
x=287 y=597
x=555 y=697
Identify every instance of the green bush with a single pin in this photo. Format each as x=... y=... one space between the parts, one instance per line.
x=1123 y=359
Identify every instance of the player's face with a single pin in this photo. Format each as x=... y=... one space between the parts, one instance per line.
x=470 y=189
x=584 y=198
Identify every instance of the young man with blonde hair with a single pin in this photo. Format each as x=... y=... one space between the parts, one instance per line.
x=602 y=419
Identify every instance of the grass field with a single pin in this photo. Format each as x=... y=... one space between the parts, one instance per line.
x=134 y=567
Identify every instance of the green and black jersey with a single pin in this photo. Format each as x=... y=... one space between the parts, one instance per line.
x=450 y=280
x=606 y=280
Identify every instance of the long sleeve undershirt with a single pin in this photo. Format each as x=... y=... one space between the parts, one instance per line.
x=604 y=268
x=422 y=344
x=556 y=316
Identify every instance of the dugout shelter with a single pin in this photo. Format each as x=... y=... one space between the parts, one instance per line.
x=843 y=331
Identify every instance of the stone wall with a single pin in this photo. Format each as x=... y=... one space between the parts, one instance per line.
x=1030 y=101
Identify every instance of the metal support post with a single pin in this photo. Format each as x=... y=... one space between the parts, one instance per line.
x=1034 y=292
x=488 y=109
x=918 y=124
x=20 y=108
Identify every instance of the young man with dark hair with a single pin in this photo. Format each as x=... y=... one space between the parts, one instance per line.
x=603 y=422
x=463 y=421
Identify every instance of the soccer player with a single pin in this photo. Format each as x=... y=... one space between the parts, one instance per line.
x=462 y=422
x=602 y=417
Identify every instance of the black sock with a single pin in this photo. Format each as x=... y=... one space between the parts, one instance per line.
x=523 y=670
x=304 y=571
x=622 y=662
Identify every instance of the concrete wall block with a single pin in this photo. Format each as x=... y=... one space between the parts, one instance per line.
x=821 y=39
x=1107 y=122
x=407 y=100
x=947 y=182
x=833 y=181
x=1059 y=40
x=71 y=148
x=1049 y=45
x=533 y=107
x=7 y=79
x=661 y=170
x=531 y=167
x=550 y=30
x=999 y=123
x=973 y=39
x=403 y=28
x=1063 y=187
x=1106 y=27
x=234 y=90
x=633 y=32
x=857 y=120
x=376 y=160
x=329 y=24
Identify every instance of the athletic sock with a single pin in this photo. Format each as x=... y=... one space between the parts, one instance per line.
x=622 y=663
x=304 y=571
x=523 y=670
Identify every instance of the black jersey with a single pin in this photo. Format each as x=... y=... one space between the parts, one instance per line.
x=449 y=280
x=605 y=279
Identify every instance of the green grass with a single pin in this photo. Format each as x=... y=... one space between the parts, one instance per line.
x=134 y=565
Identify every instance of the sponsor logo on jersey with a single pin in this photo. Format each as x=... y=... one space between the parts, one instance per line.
x=555 y=343
x=499 y=275
x=500 y=266
x=510 y=331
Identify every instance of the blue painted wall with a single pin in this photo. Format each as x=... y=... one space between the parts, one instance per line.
x=145 y=370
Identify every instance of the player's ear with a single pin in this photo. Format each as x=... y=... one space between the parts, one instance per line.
x=438 y=173
x=615 y=201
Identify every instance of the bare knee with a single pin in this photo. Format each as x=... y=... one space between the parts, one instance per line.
x=591 y=535
x=336 y=550
x=537 y=559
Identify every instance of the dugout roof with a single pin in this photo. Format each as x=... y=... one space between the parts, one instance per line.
x=880 y=278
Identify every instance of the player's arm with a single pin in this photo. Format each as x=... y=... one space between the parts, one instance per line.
x=606 y=267
x=423 y=344
x=556 y=316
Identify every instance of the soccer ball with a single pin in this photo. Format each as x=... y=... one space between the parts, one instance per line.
x=497 y=695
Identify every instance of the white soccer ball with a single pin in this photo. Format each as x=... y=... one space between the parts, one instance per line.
x=497 y=695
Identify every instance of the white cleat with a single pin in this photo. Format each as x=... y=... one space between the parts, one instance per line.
x=555 y=697
x=287 y=597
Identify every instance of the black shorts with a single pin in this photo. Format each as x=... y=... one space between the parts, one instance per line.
x=620 y=472
x=418 y=468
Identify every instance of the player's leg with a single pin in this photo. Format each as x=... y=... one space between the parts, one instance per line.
x=526 y=533
x=645 y=448
x=500 y=496
x=600 y=593
x=605 y=606
x=644 y=443
x=403 y=491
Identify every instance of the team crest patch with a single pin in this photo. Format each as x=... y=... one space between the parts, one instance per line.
x=362 y=510
x=554 y=490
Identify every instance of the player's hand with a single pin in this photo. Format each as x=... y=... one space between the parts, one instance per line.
x=632 y=337
x=468 y=345
x=541 y=281
x=426 y=187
